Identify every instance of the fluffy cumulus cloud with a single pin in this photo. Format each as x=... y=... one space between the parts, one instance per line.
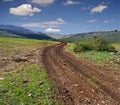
x=24 y=10
x=99 y=9
x=45 y=24
x=43 y=2
x=52 y=30
x=70 y=2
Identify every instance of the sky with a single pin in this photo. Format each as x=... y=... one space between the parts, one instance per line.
x=62 y=16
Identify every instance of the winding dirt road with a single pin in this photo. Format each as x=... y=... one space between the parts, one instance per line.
x=78 y=82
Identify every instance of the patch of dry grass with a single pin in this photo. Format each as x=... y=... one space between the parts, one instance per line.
x=16 y=46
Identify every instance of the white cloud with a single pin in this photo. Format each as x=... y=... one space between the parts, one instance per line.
x=92 y=21
x=52 y=30
x=45 y=24
x=108 y=21
x=87 y=7
x=60 y=20
x=24 y=10
x=7 y=0
x=43 y=2
x=70 y=2
x=99 y=9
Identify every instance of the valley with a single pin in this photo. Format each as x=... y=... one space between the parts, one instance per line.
x=50 y=72
x=59 y=52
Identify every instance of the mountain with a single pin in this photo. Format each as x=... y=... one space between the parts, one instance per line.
x=7 y=34
x=16 y=31
x=111 y=36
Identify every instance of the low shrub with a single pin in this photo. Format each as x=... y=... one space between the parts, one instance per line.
x=82 y=45
x=97 y=44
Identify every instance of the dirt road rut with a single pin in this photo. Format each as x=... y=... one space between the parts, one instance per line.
x=78 y=82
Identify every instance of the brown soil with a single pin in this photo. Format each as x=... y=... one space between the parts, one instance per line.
x=80 y=82
x=16 y=62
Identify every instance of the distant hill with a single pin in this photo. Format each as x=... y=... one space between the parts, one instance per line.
x=111 y=36
x=55 y=36
x=17 y=32
x=7 y=34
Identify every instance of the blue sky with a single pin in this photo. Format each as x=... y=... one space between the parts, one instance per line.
x=62 y=16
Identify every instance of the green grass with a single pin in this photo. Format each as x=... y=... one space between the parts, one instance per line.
x=29 y=84
x=22 y=88
x=98 y=57
x=13 y=46
x=69 y=47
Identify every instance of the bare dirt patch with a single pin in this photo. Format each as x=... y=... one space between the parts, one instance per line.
x=16 y=62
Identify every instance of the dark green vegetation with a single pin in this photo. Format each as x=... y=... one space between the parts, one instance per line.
x=110 y=36
x=96 y=44
x=24 y=82
x=17 y=32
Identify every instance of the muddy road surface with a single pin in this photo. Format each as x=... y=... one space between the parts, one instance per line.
x=78 y=82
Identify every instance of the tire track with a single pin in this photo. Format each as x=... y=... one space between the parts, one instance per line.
x=70 y=76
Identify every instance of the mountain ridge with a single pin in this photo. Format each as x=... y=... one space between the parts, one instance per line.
x=20 y=32
x=111 y=36
x=17 y=31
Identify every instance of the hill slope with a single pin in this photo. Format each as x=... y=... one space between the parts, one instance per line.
x=111 y=36
x=16 y=31
x=54 y=35
x=7 y=34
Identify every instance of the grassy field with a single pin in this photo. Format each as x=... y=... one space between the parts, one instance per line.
x=12 y=46
x=100 y=58
x=30 y=84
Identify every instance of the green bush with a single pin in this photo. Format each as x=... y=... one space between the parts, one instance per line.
x=96 y=44
x=99 y=44
x=111 y=49
x=82 y=45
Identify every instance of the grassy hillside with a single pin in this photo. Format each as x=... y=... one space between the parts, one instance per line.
x=23 y=79
x=7 y=34
x=54 y=36
x=110 y=36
